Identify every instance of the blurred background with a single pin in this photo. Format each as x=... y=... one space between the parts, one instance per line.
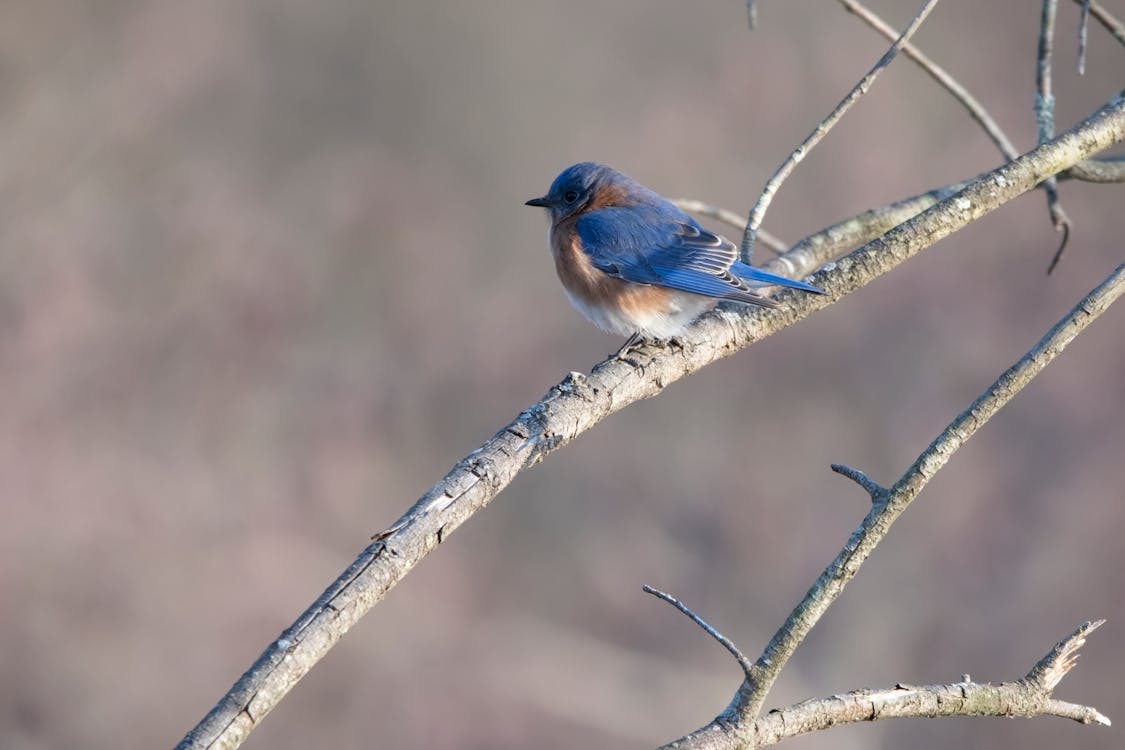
x=265 y=275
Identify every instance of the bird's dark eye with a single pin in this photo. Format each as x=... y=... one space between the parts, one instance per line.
x=570 y=196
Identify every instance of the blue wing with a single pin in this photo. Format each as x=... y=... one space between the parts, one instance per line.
x=661 y=245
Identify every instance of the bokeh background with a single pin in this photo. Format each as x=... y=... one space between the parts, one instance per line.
x=265 y=276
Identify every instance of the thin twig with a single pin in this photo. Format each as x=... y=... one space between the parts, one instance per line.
x=1109 y=169
x=578 y=403
x=1045 y=100
x=1106 y=19
x=1045 y=122
x=952 y=85
x=758 y=212
x=738 y=719
x=1062 y=224
x=1083 y=33
x=730 y=218
x=725 y=642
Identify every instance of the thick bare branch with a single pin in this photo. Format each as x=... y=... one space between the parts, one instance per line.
x=736 y=724
x=758 y=212
x=829 y=243
x=1027 y=697
x=825 y=245
x=579 y=402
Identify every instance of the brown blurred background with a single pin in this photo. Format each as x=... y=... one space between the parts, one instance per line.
x=265 y=275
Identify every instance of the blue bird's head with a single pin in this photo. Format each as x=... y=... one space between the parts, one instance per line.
x=582 y=186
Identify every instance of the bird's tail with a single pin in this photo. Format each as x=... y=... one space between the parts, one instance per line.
x=758 y=277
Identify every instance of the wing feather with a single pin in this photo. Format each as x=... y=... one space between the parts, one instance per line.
x=646 y=245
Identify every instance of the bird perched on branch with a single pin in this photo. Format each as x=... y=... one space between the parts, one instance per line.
x=636 y=265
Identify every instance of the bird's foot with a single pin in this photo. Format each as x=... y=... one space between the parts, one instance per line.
x=634 y=340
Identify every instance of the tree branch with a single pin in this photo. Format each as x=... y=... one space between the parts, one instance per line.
x=721 y=639
x=1026 y=697
x=1109 y=168
x=1083 y=32
x=829 y=243
x=1045 y=123
x=825 y=245
x=737 y=722
x=579 y=402
x=758 y=212
x=1106 y=19
x=975 y=109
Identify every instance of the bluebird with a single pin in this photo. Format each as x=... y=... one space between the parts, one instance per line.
x=636 y=265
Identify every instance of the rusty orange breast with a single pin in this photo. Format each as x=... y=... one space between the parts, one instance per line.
x=613 y=304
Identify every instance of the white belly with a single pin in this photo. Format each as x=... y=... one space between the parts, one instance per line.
x=665 y=322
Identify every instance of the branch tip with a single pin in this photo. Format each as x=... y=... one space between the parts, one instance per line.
x=1083 y=31
x=746 y=665
x=1061 y=222
x=877 y=491
x=1064 y=227
x=1050 y=670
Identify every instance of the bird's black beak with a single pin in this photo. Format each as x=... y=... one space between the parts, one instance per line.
x=540 y=202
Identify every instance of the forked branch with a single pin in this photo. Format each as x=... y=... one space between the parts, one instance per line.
x=758 y=212
x=1026 y=697
x=975 y=109
x=738 y=723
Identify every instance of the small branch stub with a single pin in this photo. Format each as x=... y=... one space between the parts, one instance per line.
x=1029 y=696
x=877 y=491
x=1026 y=697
